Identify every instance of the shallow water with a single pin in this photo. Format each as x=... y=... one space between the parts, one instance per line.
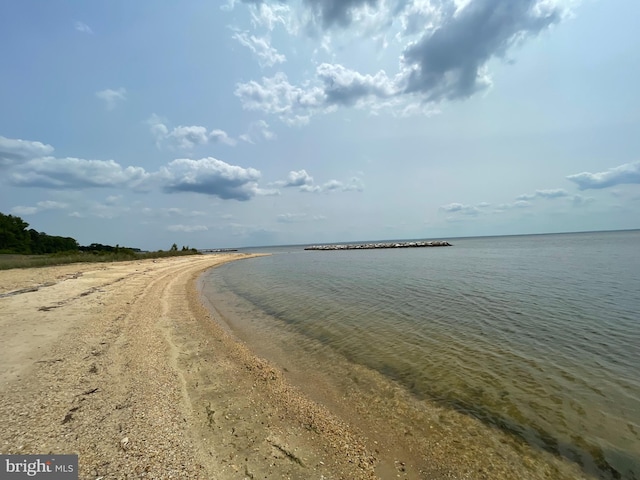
x=537 y=335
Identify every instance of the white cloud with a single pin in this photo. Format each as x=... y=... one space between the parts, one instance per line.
x=16 y=150
x=63 y=173
x=354 y=185
x=292 y=217
x=298 y=179
x=210 y=176
x=277 y=96
x=258 y=131
x=460 y=208
x=186 y=137
x=220 y=136
x=83 y=27
x=509 y=206
x=447 y=48
x=261 y=48
x=343 y=86
x=270 y=15
x=189 y=137
x=111 y=97
x=627 y=173
x=549 y=193
x=39 y=207
x=187 y=228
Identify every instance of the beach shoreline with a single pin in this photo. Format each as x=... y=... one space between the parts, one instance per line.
x=124 y=365
x=121 y=364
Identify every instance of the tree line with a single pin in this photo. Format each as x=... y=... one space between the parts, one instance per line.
x=15 y=238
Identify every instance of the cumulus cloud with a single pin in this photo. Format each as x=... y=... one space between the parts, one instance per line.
x=343 y=86
x=257 y=131
x=112 y=98
x=261 y=48
x=298 y=179
x=448 y=63
x=269 y=15
x=354 y=185
x=627 y=173
x=15 y=150
x=447 y=47
x=220 y=136
x=549 y=193
x=83 y=27
x=277 y=96
x=189 y=137
x=338 y=86
x=463 y=209
x=69 y=172
x=517 y=204
x=39 y=207
x=338 y=13
x=207 y=175
x=186 y=137
x=210 y=176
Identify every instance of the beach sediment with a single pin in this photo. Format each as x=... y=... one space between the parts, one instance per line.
x=113 y=363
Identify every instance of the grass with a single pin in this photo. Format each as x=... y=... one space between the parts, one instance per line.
x=9 y=261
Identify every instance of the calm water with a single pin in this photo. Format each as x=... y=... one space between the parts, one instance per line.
x=537 y=335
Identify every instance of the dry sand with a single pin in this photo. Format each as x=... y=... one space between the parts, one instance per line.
x=121 y=364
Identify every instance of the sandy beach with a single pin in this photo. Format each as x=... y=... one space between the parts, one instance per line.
x=123 y=365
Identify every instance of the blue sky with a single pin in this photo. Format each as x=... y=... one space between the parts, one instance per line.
x=250 y=122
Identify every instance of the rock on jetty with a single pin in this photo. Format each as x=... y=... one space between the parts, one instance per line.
x=369 y=246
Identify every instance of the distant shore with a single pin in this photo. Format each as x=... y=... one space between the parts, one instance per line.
x=376 y=245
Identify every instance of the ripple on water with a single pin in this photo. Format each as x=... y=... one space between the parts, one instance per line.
x=535 y=336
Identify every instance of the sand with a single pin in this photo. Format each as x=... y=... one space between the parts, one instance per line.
x=123 y=365
x=120 y=364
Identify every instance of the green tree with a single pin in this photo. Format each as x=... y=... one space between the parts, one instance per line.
x=14 y=237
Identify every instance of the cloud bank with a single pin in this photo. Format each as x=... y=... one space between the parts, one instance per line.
x=447 y=47
x=627 y=173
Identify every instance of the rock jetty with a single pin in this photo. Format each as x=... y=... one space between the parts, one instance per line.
x=370 y=246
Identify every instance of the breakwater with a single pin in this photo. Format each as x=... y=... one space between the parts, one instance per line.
x=370 y=246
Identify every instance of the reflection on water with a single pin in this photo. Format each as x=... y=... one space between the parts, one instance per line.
x=538 y=335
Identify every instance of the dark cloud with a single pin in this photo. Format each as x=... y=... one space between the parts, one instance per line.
x=336 y=12
x=328 y=13
x=447 y=63
x=211 y=177
x=627 y=173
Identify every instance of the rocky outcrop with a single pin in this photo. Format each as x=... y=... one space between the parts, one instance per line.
x=370 y=246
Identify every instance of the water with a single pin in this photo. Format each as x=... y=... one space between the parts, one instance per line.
x=537 y=335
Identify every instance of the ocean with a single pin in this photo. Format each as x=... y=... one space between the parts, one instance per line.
x=537 y=336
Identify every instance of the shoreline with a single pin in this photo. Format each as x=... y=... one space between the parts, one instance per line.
x=123 y=364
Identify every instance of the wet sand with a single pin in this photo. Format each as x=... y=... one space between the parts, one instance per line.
x=122 y=364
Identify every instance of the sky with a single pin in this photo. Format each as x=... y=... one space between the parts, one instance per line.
x=238 y=123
